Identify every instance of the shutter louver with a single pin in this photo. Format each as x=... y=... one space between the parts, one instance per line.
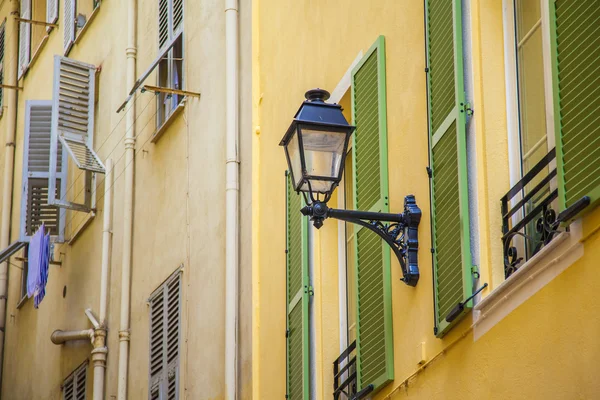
x=80 y=384
x=374 y=343
x=163 y=23
x=24 y=38
x=69 y=24
x=165 y=327
x=73 y=111
x=36 y=165
x=2 y=53
x=297 y=297
x=575 y=45
x=448 y=155
x=51 y=11
x=74 y=387
x=177 y=16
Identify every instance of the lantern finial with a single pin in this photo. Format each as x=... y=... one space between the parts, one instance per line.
x=317 y=95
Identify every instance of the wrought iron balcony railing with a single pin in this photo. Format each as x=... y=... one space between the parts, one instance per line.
x=344 y=373
x=344 y=376
x=531 y=223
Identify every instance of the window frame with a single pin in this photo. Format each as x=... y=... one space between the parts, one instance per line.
x=512 y=88
x=515 y=156
x=163 y=118
x=162 y=380
x=343 y=89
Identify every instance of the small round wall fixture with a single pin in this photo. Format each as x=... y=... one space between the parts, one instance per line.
x=316 y=145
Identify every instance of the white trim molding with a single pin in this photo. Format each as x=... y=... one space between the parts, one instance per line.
x=536 y=273
x=336 y=96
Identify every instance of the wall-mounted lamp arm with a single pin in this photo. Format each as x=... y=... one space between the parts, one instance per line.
x=399 y=231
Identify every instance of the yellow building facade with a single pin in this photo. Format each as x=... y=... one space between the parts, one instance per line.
x=457 y=102
x=140 y=295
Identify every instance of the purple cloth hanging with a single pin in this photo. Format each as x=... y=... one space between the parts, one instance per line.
x=38 y=262
x=44 y=269
x=34 y=258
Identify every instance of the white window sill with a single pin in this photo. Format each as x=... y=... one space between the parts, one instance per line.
x=22 y=302
x=530 y=278
x=86 y=222
x=85 y=27
x=169 y=121
x=36 y=54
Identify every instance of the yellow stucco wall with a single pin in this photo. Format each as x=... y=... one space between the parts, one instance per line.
x=544 y=349
x=179 y=212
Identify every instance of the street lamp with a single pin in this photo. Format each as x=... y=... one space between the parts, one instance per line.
x=315 y=146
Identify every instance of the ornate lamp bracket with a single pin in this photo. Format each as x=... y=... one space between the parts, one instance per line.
x=399 y=231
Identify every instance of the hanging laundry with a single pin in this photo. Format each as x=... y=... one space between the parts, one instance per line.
x=44 y=269
x=36 y=244
x=38 y=260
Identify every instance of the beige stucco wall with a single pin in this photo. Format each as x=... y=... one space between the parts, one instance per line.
x=179 y=212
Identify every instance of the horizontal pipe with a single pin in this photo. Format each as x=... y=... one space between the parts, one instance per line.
x=60 y=337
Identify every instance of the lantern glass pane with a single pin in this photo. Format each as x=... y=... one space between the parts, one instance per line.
x=323 y=151
x=317 y=186
x=293 y=149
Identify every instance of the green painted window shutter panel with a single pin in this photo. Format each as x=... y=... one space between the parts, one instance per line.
x=448 y=158
x=575 y=41
x=297 y=297
x=374 y=343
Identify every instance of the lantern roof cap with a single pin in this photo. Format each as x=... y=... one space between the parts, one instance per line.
x=314 y=111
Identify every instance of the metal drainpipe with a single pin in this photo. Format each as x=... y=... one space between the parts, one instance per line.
x=232 y=198
x=100 y=349
x=12 y=45
x=124 y=329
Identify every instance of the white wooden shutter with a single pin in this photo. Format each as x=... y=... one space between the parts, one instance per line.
x=177 y=16
x=164 y=26
x=2 y=52
x=73 y=111
x=170 y=20
x=24 y=37
x=51 y=11
x=36 y=166
x=74 y=386
x=69 y=24
x=165 y=327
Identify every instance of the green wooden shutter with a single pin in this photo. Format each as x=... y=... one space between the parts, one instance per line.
x=575 y=41
x=374 y=339
x=297 y=297
x=448 y=157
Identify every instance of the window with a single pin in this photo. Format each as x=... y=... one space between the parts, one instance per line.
x=73 y=112
x=39 y=13
x=533 y=132
x=371 y=255
x=170 y=67
x=33 y=37
x=77 y=15
x=36 y=171
x=452 y=258
x=74 y=387
x=24 y=38
x=165 y=338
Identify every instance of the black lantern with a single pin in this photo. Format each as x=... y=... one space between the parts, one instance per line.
x=315 y=145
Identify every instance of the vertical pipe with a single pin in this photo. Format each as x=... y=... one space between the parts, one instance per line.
x=232 y=196
x=100 y=349
x=124 y=331
x=106 y=241
x=12 y=44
